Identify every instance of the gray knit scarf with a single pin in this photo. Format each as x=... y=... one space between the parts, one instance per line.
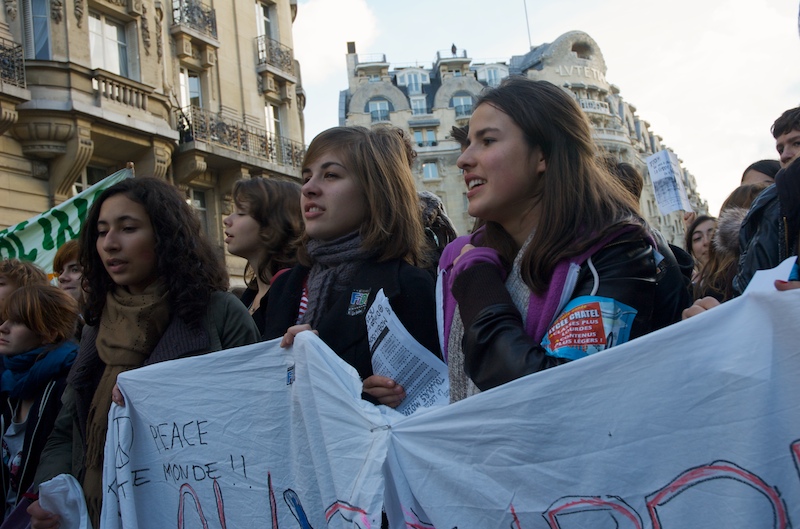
x=335 y=264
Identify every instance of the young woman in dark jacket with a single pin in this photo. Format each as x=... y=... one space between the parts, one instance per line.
x=363 y=233
x=564 y=265
x=37 y=350
x=157 y=290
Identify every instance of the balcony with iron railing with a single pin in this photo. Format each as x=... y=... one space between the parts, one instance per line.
x=275 y=57
x=12 y=64
x=463 y=111
x=378 y=116
x=195 y=15
x=197 y=125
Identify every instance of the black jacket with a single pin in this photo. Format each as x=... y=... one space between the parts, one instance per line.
x=496 y=347
x=343 y=328
x=763 y=239
x=39 y=424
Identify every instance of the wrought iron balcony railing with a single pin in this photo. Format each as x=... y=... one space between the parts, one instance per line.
x=195 y=124
x=195 y=15
x=275 y=54
x=463 y=111
x=379 y=115
x=12 y=64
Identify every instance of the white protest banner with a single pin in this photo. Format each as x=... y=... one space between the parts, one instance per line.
x=38 y=238
x=667 y=178
x=696 y=425
x=256 y=436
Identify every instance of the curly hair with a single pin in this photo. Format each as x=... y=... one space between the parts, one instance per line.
x=275 y=205
x=187 y=262
x=46 y=310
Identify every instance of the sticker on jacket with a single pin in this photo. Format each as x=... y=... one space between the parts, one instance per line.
x=587 y=325
x=358 y=302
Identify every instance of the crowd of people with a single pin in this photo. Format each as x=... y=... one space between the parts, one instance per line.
x=558 y=234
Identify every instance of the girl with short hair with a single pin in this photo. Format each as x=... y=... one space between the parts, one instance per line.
x=37 y=351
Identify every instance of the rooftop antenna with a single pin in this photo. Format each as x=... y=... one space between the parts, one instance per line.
x=527 y=23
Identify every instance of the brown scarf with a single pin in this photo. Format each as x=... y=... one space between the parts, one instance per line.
x=130 y=327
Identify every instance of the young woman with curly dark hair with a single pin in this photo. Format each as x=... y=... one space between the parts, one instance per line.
x=156 y=291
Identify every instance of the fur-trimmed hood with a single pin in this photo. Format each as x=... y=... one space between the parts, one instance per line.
x=726 y=238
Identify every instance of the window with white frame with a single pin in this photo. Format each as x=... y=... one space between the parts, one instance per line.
x=196 y=198
x=462 y=105
x=493 y=77
x=419 y=105
x=36 y=21
x=425 y=137
x=413 y=80
x=191 y=89
x=89 y=177
x=430 y=171
x=109 y=46
x=265 y=27
x=378 y=110
x=273 y=117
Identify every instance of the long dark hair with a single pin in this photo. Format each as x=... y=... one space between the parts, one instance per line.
x=188 y=264
x=579 y=201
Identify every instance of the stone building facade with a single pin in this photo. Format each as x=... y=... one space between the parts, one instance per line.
x=199 y=94
x=428 y=102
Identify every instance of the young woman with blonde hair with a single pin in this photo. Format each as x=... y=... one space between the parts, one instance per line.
x=363 y=233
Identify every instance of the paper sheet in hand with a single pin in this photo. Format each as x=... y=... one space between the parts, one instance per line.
x=397 y=355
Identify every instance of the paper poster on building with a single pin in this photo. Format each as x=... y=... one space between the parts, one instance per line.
x=667 y=178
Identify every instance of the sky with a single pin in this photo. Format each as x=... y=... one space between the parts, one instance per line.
x=710 y=76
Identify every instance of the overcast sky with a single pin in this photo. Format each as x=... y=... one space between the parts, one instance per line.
x=710 y=76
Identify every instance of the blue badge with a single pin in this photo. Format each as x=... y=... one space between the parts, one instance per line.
x=358 y=302
x=290 y=375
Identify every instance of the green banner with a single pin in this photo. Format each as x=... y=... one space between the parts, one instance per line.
x=38 y=238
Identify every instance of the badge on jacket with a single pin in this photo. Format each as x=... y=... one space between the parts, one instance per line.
x=358 y=302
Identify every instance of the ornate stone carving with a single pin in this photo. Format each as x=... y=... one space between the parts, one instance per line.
x=57 y=10
x=159 y=39
x=145 y=30
x=122 y=3
x=79 y=12
x=11 y=10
